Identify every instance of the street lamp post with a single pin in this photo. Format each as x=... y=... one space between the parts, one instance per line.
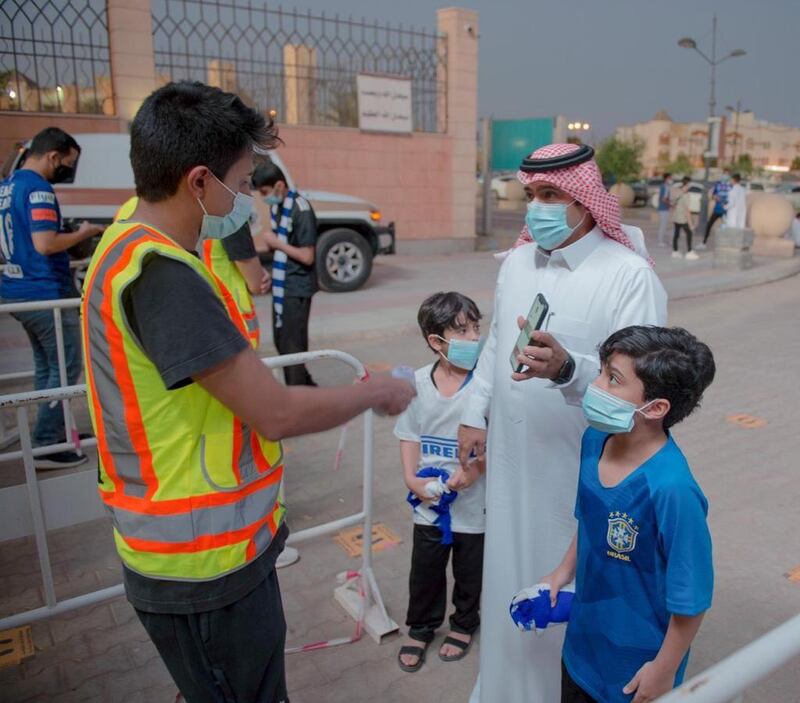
x=738 y=111
x=713 y=61
x=579 y=127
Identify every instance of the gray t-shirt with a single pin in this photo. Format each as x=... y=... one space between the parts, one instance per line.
x=169 y=301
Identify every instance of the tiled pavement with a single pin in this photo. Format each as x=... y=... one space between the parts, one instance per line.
x=101 y=653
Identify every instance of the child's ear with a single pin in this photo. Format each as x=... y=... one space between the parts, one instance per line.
x=435 y=343
x=658 y=410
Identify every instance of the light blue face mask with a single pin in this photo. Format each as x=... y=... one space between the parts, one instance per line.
x=463 y=353
x=219 y=227
x=273 y=199
x=547 y=223
x=607 y=413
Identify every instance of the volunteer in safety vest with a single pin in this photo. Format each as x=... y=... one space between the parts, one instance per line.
x=235 y=261
x=34 y=247
x=188 y=419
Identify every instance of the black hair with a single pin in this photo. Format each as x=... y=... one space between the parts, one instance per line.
x=53 y=139
x=667 y=175
x=685 y=180
x=267 y=173
x=184 y=125
x=670 y=362
x=441 y=311
x=736 y=177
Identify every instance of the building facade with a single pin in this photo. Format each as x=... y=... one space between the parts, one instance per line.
x=771 y=146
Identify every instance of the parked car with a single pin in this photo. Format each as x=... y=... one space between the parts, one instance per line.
x=639 y=193
x=351 y=232
x=791 y=191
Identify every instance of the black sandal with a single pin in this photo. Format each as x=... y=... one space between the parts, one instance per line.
x=460 y=644
x=418 y=652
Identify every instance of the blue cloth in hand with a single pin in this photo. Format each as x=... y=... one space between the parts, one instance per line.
x=440 y=506
x=531 y=610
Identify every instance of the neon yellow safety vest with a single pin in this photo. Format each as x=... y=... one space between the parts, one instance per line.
x=216 y=258
x=127 y=209
x=192 y=491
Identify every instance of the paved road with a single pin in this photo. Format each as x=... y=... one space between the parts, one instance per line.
x=749 y=476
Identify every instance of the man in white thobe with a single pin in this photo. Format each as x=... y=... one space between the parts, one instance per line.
x=736 y=214
x=595 y=283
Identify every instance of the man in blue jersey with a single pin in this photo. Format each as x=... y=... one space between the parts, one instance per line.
x=642 y=555
x=37 y=268
x=720 y=196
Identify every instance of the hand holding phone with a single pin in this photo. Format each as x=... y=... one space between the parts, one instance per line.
x=533 y=322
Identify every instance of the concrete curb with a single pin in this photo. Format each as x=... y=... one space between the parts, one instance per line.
x=677 y=289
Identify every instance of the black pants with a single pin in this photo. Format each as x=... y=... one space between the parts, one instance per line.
x=677 y=235
x=427 y=583
x=570 y=691
x=230 y=655
x=714 y=217
x=292 y=338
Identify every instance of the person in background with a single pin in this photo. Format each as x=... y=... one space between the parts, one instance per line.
x=293 y=239
x=37 y=268
x=682 y=220
x=720 y=195
x=736 y=215
x=664 y=205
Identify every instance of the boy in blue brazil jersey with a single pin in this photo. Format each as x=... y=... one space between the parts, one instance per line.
x=641 y=558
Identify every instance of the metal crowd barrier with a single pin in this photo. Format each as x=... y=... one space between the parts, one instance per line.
x=56 y=306
x=728 y=680
x=363 y=601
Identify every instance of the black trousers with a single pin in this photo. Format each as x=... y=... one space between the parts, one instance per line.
x=230 y=655
x=714 y=217
x=427 y=583
x=292 y=338
x=570 y=691
x=677 y=235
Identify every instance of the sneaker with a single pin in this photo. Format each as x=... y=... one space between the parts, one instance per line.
x=677 y=255
x=701 y=246
x=59 y=460
x=691 y=256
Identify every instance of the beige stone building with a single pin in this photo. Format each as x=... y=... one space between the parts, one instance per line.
x=771 y=146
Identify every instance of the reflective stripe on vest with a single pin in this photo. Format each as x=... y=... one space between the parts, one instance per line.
x=180 y=474
x=215 y=257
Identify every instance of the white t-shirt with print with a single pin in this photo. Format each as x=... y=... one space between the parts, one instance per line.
x=432 y=420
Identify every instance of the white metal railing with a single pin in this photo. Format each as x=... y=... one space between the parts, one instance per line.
x=70 y=428
x=370 y=607
x=728 y=680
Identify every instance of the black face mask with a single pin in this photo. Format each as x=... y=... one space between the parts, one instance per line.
x=62 y=173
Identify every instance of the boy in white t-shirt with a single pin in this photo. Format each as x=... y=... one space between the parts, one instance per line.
x=427 y=430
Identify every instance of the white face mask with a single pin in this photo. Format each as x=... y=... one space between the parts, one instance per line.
x=221 y=226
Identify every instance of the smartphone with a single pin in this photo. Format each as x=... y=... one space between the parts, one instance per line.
x=533 y=322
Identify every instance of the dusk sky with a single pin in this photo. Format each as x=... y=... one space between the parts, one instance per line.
x=613 y=62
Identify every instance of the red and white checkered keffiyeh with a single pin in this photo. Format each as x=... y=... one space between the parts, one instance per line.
x=584 y=183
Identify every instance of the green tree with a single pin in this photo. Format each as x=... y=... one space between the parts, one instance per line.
x=620 y=161
x=796 y=163
x=743 y=165
x=682 y=165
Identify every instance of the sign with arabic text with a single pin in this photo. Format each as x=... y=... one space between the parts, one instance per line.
x=384 y=103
